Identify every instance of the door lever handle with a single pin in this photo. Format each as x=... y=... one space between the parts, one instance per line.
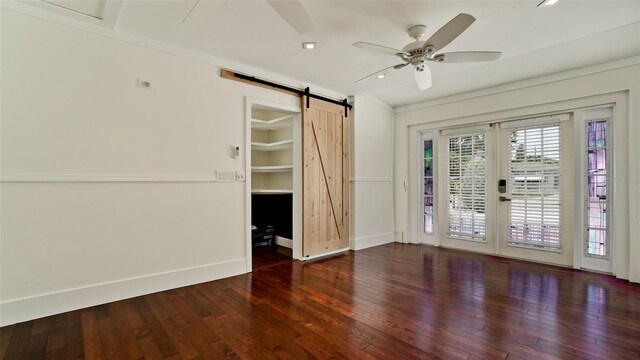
x=504 y=198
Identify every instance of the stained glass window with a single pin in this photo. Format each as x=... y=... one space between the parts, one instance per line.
x=596 y=196
x=428 y=191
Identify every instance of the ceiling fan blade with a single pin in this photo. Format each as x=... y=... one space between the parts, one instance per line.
x=450 y=31
x=378 y=48
x=423 y=78
x=383 y=71
x=294 y=13
x=200 y=11
x=470 y=56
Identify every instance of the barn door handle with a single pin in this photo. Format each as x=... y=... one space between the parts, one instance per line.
x=504 y=198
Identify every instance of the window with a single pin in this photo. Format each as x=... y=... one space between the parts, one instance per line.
x=596 y=200
x=534 y=187
x=428 y=186
x=466 y=187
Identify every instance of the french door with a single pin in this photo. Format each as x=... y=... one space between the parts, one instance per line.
x=509 y=189
x=535 y=193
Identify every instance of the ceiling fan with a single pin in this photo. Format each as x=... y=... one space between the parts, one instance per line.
x=292 y=11
x=418 y=53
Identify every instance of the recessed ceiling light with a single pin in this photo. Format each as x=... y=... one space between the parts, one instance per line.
x=547 y=3
x=308 y=45
x=381 y=76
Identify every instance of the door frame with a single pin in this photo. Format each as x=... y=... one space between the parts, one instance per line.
x=623 y=265
x=582 y=117
x=433 y=238
x=297 y=175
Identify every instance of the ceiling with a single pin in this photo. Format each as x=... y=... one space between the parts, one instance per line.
x=534 y=41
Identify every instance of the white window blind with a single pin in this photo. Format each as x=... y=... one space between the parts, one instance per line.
x=466 y=187
x=534 y=187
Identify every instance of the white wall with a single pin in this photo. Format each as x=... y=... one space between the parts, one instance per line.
x=615 y=83
x=372 y=172
x=108 y=189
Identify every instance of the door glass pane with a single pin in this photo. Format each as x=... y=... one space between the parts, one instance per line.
x=596 y=202
x=427 y=210
x=466 y=187
x=534 y=187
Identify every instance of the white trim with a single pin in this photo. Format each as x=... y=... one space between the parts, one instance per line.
x=283 y=241
x=33 y=307
x=594 y=263
x=248 y=221
x=372 y=240
x=312 y=257
x=422 y=237
x=465 y=130
x=534 y=121
x=53 y=177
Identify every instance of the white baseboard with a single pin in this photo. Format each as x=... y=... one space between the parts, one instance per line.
x=372 y=240
x=283 y=241
x=19 y=310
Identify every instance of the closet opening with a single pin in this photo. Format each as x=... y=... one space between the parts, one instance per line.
x=274 y=183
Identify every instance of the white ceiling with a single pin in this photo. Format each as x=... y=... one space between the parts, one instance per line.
x=534 y=41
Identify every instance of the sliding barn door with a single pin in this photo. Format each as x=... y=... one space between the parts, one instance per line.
x=325 y=174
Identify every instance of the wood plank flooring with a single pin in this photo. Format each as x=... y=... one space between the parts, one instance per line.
x=389 y=302
x=266 y=256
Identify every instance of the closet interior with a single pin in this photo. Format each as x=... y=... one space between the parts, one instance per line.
x=273 y=147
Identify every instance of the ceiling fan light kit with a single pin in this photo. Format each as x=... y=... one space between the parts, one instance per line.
x=418 y=52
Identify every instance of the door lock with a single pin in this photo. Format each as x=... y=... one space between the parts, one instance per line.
x=502 y=186
x=504 y=198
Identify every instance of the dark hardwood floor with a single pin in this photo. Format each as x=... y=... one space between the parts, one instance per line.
x=389 y=302
x=266 y=256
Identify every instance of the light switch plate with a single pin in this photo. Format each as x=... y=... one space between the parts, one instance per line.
x=225 y=175
x=240 y=175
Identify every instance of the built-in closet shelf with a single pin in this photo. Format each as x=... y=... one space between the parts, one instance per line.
x=272 y=168
x=272 y=191
x=278 y=145
x=278 y=123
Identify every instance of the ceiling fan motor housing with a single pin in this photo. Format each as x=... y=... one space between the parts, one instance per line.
x=417 y=31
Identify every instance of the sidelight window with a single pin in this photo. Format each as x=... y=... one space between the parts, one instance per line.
x=428 y=186
x=596 y=199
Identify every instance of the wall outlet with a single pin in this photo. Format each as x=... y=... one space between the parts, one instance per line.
x=225 y=176
x=240 y=176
